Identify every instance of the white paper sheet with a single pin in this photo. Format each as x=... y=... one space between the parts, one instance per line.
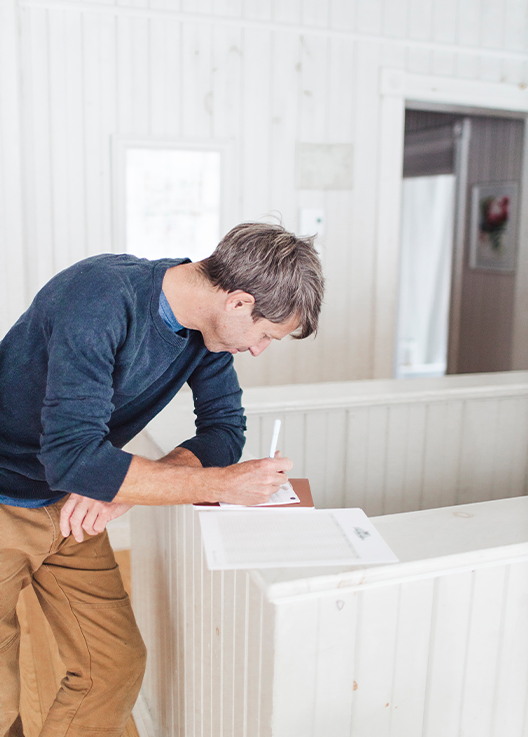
x=238 y=539
x=284 y=495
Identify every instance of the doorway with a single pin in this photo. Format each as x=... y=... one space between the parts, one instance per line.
x=455 y=313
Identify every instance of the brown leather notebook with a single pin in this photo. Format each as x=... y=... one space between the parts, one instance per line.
x=301 y=488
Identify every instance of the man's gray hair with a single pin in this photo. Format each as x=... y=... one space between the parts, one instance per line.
x=280 y=270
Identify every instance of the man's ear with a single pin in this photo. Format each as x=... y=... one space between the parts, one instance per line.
x=239 y=302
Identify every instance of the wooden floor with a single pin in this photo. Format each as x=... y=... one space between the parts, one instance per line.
x=41 y=669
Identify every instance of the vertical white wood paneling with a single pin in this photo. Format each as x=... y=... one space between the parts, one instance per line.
x=315 y=13
x=334 y=453
x=478 y=447
x=196 y=81
x=295 y=632
x=394 y=480
x=343 y=14
x=13 y=286
x=485 y=631
x=226 y=81
x=418 y=60
x=415 y=607
x=469 y=23
x=285 y=91
x=420 y=16
x=227 y=7
x=177 y=77
x=444 y=21
x=356 y=457
x=293 y=437
x=257 y=9
x=375 y=637
x=41 y=264
x=369 y=15
x=62 y=30
x=515 y=17
x=93 y=222
x=441 y=653
x=361 y=259
x=491 y=69
x=255 y=601
x=492 y=25
x=392 y=116
x=414 y=456
x=513 y=656
x=395 y=19
x=467 y=65
x=197 y=6
x=316 y=433
x=198 y=616
x=389 y=453
x=375 y=460
x=451 y=616
x=240 y=659
x=334 y=678
x=443 y=63
x=289 y=12
x=178 y=598
x=217 y=680
x=228 y=677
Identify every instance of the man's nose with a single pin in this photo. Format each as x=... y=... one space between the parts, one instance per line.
x=261 y=346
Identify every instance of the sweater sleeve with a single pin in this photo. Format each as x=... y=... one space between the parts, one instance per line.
x=83 y=342
x=220 y=421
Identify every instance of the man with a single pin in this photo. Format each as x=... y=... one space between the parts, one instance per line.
x=104 y=347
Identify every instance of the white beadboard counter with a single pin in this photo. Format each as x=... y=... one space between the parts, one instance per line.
x=427 y=542
x=433 y=646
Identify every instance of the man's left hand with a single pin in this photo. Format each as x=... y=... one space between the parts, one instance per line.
x=82 y=513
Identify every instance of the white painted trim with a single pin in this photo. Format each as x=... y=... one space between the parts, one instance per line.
x=401 y=86
x=143 y=718
x=459 y=234
x=85 y=6
x=387 y=254
x=407 y=573
x=471 y=93
x=520 y=310
x=341 y=395
x=228 y=182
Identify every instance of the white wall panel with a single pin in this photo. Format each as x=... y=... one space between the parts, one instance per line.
x=264 y=76
x=388 y=446
x=13 y=279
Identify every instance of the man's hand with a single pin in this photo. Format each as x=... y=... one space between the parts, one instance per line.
x=82 y=513
x=251 y=482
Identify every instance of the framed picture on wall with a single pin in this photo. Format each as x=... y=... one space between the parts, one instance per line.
x=493 y=234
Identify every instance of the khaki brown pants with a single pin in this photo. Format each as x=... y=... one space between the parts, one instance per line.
x=81 y=593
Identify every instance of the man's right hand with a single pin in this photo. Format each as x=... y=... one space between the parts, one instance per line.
x=250 y=482
x=167 y=482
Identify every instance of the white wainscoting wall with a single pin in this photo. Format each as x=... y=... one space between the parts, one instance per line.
x=388 y=446
x=434 y=646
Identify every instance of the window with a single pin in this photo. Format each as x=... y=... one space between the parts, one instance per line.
x=172 y=202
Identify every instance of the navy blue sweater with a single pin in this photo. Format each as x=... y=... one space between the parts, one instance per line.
x=88 y=365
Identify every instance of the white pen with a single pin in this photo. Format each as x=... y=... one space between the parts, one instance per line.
x=274 y=438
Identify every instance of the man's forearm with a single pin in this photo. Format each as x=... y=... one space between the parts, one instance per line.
x=166 y=481
x=177 y=478
x=181 y=457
